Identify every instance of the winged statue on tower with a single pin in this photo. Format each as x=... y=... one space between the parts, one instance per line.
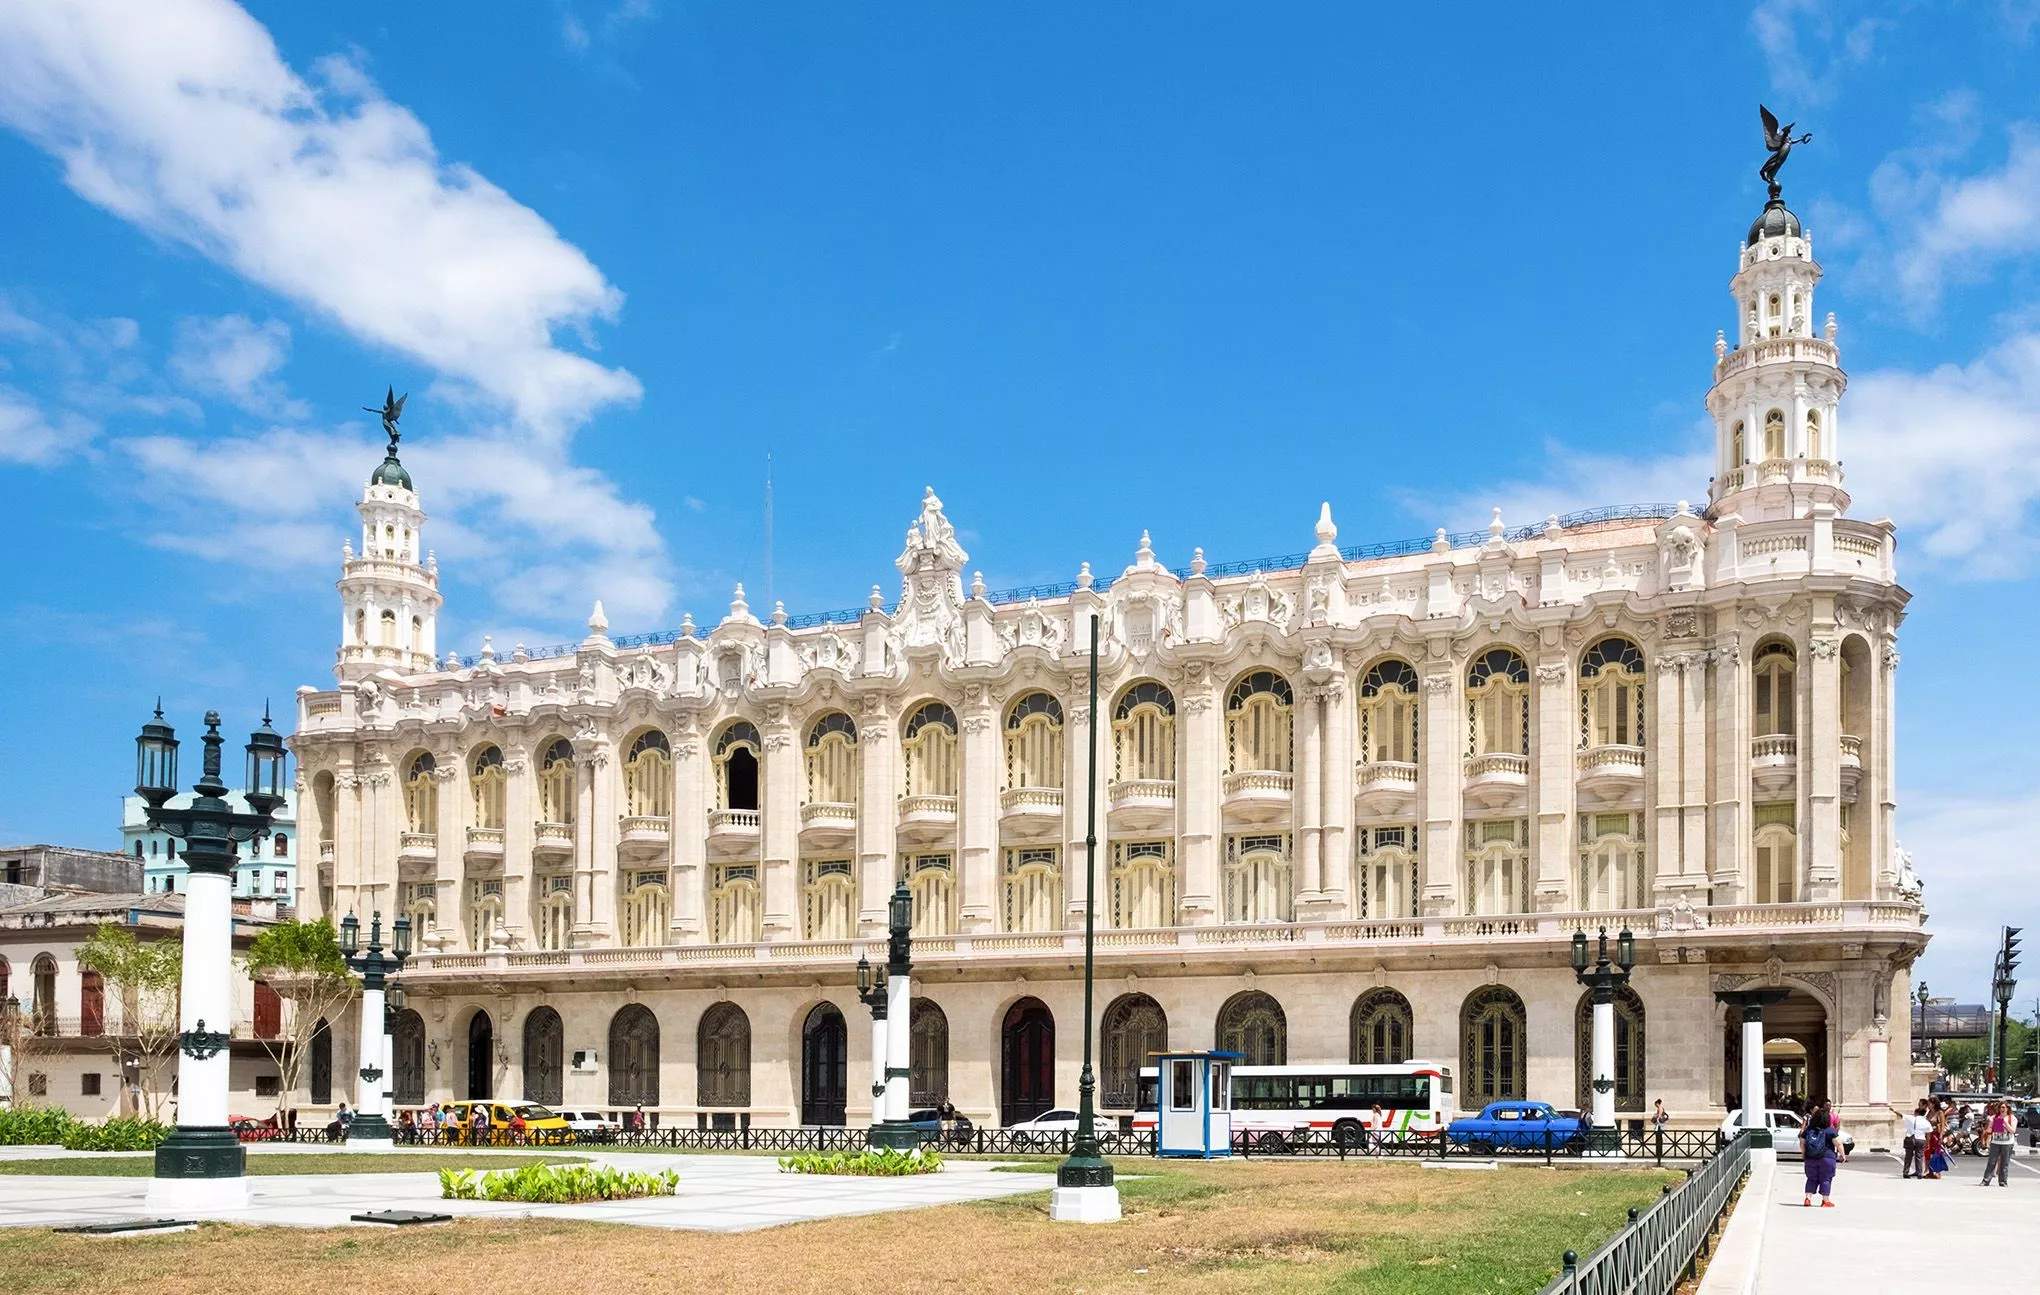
x=393 y=409
x=1779 y=140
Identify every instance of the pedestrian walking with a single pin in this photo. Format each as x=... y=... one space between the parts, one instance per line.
x=2003 y=1141
x=1916 y=1130
x=637 y=1119
x=1377 y=1130
x=1937 y=1139
x=1818 y=1144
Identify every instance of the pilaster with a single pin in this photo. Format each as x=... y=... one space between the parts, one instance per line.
x=1729 y=772
x=781 y=844
x=604 y=834
x=877 y=814
x=977 y=862
x=1442 y=779
x=1198 y=795
x=1553 y=778
x=689 y=834
x=520 y=812
x=1820 y=764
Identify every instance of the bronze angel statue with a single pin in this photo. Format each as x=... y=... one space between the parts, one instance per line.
x=1780 y=141
x=393 y=409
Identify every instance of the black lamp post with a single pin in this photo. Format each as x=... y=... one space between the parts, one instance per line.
x=1923 y=1041
x=1603 y=980
x=895 y=1130
x=202 y=1165
x=871 y=989
x=372 y=1098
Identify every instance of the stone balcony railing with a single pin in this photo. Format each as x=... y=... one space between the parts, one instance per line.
x=485 y=842
x=1030 y=811
x=1774 y=764
x=1141 y=803
x=552 y=838
x=419 y=847
x=734 y=820
x=325 y=852
x=1771 y=350
x=827 y=821
x=927 y=818
x=1498 y=779
x=643 y=833
x=1258 y=795
x=1610 y=773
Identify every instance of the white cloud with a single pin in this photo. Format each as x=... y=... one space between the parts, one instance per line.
x=1808 y=50
x=1974 y=854
x=1950 y=230
x=26 y=436
x=235 y=357
x=1573 y=481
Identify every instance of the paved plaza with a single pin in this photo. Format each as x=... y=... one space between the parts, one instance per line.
x=717 y=1194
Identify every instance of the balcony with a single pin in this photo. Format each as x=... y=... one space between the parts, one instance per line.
x=552 y=838
x=1258 y=795
x=1141 y=803
x=417 y=847
x=734 y=831
x=927 y=818
x=643 y=834
x=1852 y=767
x=485 y=843
x=1611 y=773
x=1498 y=780
x=1774 y=765
x=1031 y=811
x=827 y=822
x=325 y=852
x=1385 y=787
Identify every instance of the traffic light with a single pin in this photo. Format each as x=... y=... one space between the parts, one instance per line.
x=2010 y=954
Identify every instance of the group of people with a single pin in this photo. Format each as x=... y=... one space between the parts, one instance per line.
x=1939 y=1122
x=443 y=1124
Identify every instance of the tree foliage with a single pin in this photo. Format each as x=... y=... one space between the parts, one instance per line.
x=146 y=978
x=302 y=962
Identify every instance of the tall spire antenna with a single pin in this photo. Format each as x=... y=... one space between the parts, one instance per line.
x=768 y=528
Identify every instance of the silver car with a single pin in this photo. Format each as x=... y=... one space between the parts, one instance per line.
x=1785 y=1129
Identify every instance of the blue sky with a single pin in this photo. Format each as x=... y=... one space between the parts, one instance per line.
x=1185 y=267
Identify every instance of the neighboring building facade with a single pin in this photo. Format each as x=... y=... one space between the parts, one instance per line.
x=64 y=867
x=264 y=869
x=1353 y=803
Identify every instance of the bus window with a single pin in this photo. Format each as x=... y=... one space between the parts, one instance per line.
x=1148 y=1097
x=1182 y=1085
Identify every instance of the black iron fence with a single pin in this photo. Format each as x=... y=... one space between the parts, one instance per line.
x=1661 y=1246
x=1656 y=1146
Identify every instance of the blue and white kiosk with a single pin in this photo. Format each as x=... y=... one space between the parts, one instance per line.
x=1194 y=1104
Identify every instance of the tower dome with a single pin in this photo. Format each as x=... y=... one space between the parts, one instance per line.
x=389 y=591
x=390 y=472
x=1775 y=221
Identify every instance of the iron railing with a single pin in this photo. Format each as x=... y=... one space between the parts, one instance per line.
x=1657 y=1146
x=1661 y=1246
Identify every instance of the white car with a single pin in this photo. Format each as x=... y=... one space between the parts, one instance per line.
x=591 y=1126
x=1785 y=1128
x=1048 y=1127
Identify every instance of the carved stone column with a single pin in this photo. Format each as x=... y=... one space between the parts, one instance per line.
x=977 y=862
x=1821 y=764
x=1442 y=778
x=1309 y=801
x=878 y=815
x=689 y=833
x=1554 y=781
x=1199 y=769
x=1335 y=812
x=1729 y=848
x=520 y=812
x=781 y=844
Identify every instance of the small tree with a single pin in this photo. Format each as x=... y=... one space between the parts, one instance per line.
x=302 y=962
x=146 y=976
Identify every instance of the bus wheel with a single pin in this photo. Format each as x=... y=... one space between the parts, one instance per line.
x=1347 y=1133
x=1271 y=1144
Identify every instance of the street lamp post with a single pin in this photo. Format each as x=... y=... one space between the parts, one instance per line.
x=202 y=1164
x=895 y=1130
x=1603 y=980
x=1923 y=1046
x=871 y=992
x=372 y=1103
x=1084 y=1190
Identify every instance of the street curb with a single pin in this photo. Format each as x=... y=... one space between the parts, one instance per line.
x=1733 y=1268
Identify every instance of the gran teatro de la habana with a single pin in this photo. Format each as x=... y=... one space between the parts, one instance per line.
x=1353 y=803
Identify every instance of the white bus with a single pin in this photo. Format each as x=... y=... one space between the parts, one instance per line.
x=1415 y=1097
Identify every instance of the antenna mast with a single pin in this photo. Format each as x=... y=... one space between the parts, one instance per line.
x=768 y=529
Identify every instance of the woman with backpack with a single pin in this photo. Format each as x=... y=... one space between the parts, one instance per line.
x=1820 y=1143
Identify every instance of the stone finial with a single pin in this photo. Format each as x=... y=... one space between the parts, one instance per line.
x=347 y=550
x=1495 y=528
x=1685 y=509
x=1552 y=530
x=1720 y=343
x=977 y=584
x=1145 y=554
x=877 y=600
x=519 y=652
x=1084 y=578
x=432 y=561
x=1829 y=331
x=1197 y=561
x=778 y=613
x=452 y=659
x=738 y=607
x=687 y=625
x=598 y=624
x=1326 y=530
x=1440 y=543
x=489 y=648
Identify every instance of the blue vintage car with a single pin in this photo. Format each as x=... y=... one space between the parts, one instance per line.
x=1533 y=1125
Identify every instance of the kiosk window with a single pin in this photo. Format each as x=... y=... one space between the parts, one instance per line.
x=1221 y=1086
x=1182 y=1085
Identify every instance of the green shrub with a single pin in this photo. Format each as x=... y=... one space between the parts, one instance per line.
x=885 y=1163
x=115 y=1135
x=34 y=1126
x=555 y=1184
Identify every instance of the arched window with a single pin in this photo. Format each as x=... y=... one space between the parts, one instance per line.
x=43 y=985
x=407 y=1077
x=832 y=760
x=1144 y=733
x=1629 y=1058
x=927 y=1055
x=733 y=913
x=1388 y=714
x=634 y=1057
x=647 y=910
x=1737 y=451
x=1813 y=442
x=1611 y=861
x=420 y=900
x=91 y=1004
x=1497 y=866
x=138 y=847
x=829 y=899
x=931 y=878
x=361 y=626
x=648 y=777
x=723 y=1057
x=1032 y=889
x=1774 y=434
x=1380 y=1029
x=1257 y=878
x=929 y=748
x=1143 y=884
x=545 y=1056
x=1388 y=872
x=268 y=1011
x=1034 y=742
x=1777 y=698
x=556 y=790
x=1491 y=1048
x=1776 y=879
x=736 y=766
x=1611 y=694
x=485 y=781
x=1257 y=724
x=485 y=912
x=1252 y=1025
x=1133 y=1027
x=421 y=794
x=389 y=630
x=282 y=850
x=1498 y=704
x=553 y=898
x=321 y=1081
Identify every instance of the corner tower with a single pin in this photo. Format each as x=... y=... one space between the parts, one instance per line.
x=1777 y=390
x=389 y=592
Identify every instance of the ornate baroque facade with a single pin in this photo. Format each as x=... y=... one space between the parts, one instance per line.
x=1353 y=803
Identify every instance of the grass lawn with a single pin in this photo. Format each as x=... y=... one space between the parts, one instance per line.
x=1237 y=1227
x=339 y=1162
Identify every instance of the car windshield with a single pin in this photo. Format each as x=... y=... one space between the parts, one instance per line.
x=535 y=1112
x=1060 y=1115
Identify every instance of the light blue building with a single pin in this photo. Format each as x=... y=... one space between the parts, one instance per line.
x=265 y=869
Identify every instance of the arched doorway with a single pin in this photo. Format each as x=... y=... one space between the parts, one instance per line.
x=1133 y=1026
x=634 y=1057
x=1492 y=1044
x=824 y=1066
x=321 y=1081
x=1026 y=1061
x=1379 y=1029
x=927 y=1055
x=1252 y=1024
x=544 y=1056
x=1630 y=1060
x=1798 y=1069
x=407 y=1038
x=722 y=1069
x=481 y=1076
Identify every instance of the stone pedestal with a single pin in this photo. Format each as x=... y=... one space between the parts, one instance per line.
x=1084 y=1204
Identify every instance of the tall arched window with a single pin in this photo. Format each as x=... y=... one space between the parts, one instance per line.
x=927 y=1054
x=91 y=1004
x=1257 y=712
x=1611 y=694
x=634 y=1057
x=1774 y=434
x=1252 y=1024
x=1498 y=704
x=1133 y=1027
x=1776 y=845
x=485 y=782
x=268 y=1011
x=556 y=791
x=407 y=1043
x=485 y=912
x=544 y=1056
x=1388 y=714
x=1629 y=1058
x=1388 y=872
x=829 y=899
x=1144 y=733
x=389 y=630
x=280 y=843
x=647 y=909
x=1257 y=878
x=553 y=900
x=1143 y=884
x=648 y=777
x=1031 y=888
x=929 y=748
x=421 y=794
x=1380 y=1029
x=832 y=760
x=736 y=766
x=1034 y=742
x=1497 y=866
x=1737 y=451
x=1612 y=861
x=1813 y=441
x=42 y=1011
x=723 y=1057
x=1777 y=698
x=931 y=879
x=1491 y=1048
x=733 y=913
x=320 y=1081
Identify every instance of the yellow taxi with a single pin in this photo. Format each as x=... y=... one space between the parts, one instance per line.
x=542 y=1124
